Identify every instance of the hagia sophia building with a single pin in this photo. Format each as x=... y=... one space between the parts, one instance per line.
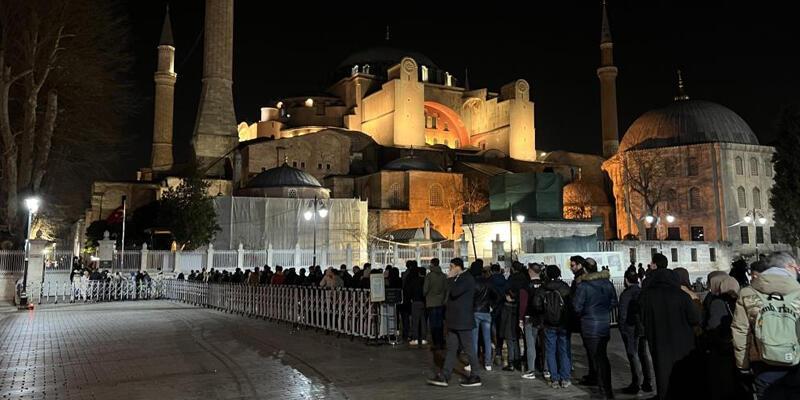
x=397 y=139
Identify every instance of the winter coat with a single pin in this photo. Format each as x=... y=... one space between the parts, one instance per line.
x=669 y=315
x=595 y=296
x=434 y=287
x=563 y=290
x=526 y=300
x=747 y=308
x=460 y=295
x=485 y=296
x=509 y=320
x=630 y=319
x=413 y=288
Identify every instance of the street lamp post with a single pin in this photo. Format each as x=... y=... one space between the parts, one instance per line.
x=315 y=207
x=654 y=222
x=32 y=204
x=520 y=219
x=752 y=217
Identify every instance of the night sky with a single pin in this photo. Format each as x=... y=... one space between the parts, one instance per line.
x=738 y=55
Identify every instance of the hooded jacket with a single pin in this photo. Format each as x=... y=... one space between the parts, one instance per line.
x=434 y=287
x=747 y=308
x=595 y=296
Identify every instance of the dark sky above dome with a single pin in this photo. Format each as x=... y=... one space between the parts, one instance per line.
x=737 y=54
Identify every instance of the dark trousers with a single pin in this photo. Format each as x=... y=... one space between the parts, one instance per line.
x=419 y=323
x=589 y=357
x=638 y=359
x=597 y=347
x=459 y=340
x=405 y=311
x=436 y=316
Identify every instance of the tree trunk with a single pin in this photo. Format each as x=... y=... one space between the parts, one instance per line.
x=25 y=141
x=9 y=147
x=44 y=140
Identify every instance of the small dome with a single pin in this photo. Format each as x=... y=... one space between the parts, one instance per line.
x=283 y=176
x=412 y=163
x=384 y=56
x=687 y=122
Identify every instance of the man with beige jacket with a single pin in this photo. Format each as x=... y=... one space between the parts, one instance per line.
x=776 y=288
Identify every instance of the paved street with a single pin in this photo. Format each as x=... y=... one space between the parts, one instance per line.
x=165 y=350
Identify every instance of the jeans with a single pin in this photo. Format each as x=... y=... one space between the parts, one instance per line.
x=483 y=321
x=597 y=347
x=419 y=324
x=765 y=377
x=531 y=333
x=436 y=315
x=556 y=346
x=638 y=359
x=459 y=340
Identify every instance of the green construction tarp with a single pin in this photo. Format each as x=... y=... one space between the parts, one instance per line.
x=536 y=195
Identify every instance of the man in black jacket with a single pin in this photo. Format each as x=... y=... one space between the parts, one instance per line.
x=460 y=322
x=669 y=316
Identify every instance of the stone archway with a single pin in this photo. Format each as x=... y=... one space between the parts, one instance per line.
x=444 y=126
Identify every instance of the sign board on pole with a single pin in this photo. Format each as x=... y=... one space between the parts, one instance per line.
x=377 y=288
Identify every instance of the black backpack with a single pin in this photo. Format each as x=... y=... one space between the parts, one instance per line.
x=553 y=305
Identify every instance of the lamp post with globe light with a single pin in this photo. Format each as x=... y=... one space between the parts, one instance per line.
x=315 y=207
x=752 y=217
x=520 y=218
x=654 y=221
x=32 y=204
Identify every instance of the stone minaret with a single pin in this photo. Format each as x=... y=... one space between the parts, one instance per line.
x=165 y=77
x=608 y=90
x=215 y=133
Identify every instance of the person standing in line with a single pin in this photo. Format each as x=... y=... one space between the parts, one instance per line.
x=632 y=332
x=434 y=287
x=460 y=322
x=419 y=322
x=552 y=301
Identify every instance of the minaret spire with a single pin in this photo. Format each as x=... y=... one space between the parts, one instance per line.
x=164 y=77
x=607 y=73
x=681 y=89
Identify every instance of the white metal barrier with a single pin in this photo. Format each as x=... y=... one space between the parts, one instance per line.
x=345 y=311
x=94 y=291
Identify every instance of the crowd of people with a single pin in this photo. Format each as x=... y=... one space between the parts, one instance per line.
x=736 y=337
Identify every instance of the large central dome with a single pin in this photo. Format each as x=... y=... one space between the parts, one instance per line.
x=687 y=122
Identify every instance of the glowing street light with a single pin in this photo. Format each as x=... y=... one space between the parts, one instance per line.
x=32 y=204
x=520 y=218
x=670 y=218
x=315 y=207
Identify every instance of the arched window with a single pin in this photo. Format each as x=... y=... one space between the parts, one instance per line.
x=742 y=197
x=692 y=169
x=695 y=202
x=756 y=198
x=672 y=201
x=739 y=166
x=436 y=195
x=395 y=196
x=753 y=166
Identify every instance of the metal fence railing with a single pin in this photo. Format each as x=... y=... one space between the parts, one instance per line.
x=93 y=291
x=344 y=311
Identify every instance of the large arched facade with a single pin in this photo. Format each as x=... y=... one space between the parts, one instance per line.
x=444 y=126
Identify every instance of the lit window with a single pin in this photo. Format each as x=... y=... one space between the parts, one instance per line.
x=424 y=71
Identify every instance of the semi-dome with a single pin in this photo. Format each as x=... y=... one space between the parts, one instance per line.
x=412 y=163
x=687 y=122
x=283 y=176
x=384 y=56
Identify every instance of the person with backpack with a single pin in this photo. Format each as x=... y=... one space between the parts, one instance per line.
x=530 y=319
x=632 y=332
x=593 y=302
x=765 y=327
x=552 y=303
